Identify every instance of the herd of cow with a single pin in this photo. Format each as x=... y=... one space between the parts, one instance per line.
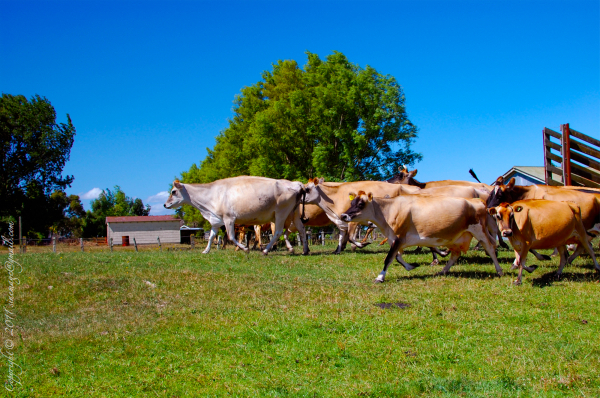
x=409 y=213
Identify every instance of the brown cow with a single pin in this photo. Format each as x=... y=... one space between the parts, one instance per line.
x=541 y=224
x=421 y=220
x=407 y=177
x=587 y=202
x=334 y=199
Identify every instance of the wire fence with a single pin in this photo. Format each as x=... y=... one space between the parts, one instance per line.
x=102 y=244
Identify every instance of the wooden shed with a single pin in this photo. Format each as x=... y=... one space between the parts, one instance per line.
x=145 y=229
x=526 y=175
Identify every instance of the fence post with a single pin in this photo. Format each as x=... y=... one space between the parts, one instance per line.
x=322 y=238
x=135 y=244
x=192 y=241
x=54 y=244
x=159 y=245
x=566 y=153
x=111 y=245
x=81 y=243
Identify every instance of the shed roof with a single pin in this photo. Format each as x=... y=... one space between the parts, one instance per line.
x=141 y=219
x=535 y=172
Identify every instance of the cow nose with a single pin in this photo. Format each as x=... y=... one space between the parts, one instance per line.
x=165 y=206
x=507 y=232
x=345 y=217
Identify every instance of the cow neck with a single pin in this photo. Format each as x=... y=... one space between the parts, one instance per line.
x=381 y=212
x=325 y=202
x=203 y=191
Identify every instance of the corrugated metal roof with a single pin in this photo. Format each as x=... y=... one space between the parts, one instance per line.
x=141 y=219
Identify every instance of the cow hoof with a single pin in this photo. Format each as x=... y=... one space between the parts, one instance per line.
x=441 y=273
x=500 y=273
x=291 y=251
x=435 y=262
x=517 y=282
x=514 y=266
x=205 y=252
x=380 y=279
x=353 y=248
x=558 y=277
x=264 y=252
x=306 y=253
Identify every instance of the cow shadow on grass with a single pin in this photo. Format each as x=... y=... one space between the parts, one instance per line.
x=451 y=274
x=549 y=278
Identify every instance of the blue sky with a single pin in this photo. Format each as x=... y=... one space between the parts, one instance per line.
x=150 y=84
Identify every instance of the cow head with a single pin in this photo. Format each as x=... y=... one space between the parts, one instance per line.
x=405 y=177
x=312 y=191
x=178 y=196
x=501 y=193
x=359 y=207
x=504 y=214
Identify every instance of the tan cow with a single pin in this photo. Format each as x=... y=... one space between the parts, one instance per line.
x=422 y=220
x=407 y=177
x=334 y=199
x=541 y=224
x=242 y=200
x=587 y=202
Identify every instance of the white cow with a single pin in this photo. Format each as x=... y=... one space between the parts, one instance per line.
x=242 y=200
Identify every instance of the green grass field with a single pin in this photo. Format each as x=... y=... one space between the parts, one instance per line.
x=179 y=324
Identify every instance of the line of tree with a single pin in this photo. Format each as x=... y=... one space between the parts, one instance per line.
x=34 y=149
x=330 y=119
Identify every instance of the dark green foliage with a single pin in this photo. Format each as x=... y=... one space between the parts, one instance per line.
x=33 y=151
x=111 y=204
x=330 y=119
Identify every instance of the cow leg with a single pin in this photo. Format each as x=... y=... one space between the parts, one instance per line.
x=541 y=257
x=301 y=232
x=435 y=251
x=230 y=227
x=388 y=260
x=455 y=254
x=480 y=233
x=213 y=232
x=352 y=229
x=343 y=239
x=407 y=266
x=520 y=259
x=562 y=251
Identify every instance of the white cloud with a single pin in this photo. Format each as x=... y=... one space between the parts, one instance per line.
x=92 y=194
x=160 y=197
x=159 y=210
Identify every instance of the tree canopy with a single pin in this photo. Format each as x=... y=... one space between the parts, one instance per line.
x=330 y=119
x=111 y=204
x=33 y=151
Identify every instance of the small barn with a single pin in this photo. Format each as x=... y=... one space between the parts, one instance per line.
x=145 y=229
x=526 y=175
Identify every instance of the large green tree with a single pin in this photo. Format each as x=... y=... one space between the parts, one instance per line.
x=330 y=119
x=111 y=204
x=33 y=151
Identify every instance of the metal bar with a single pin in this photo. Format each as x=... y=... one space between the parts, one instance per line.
x=551 y=132
x=566 y=153
x=552 y=145
x=578 y=146
x=556 y=158
x=584 y=160
x=586 y=173
x=20 y=237
x=135 y=244
x=54 y=244
x=159 y=245
x=585 y=182
x=81 y=243
x=584 y=137
x=111 y=245
x=192 y=241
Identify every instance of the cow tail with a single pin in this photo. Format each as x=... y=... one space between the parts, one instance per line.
x=474 y=175
x=302 y=218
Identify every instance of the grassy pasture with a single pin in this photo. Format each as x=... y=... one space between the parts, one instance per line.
x=178 y=324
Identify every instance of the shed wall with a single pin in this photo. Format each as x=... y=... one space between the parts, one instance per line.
x=145 y=232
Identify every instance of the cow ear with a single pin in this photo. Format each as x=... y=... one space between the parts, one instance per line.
x=413 y=173
x=499 y=181
x=511 y=183
x=176 y=184
x=370 y=196
x=319 y=181
x=492 y=211
x=352 y=195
